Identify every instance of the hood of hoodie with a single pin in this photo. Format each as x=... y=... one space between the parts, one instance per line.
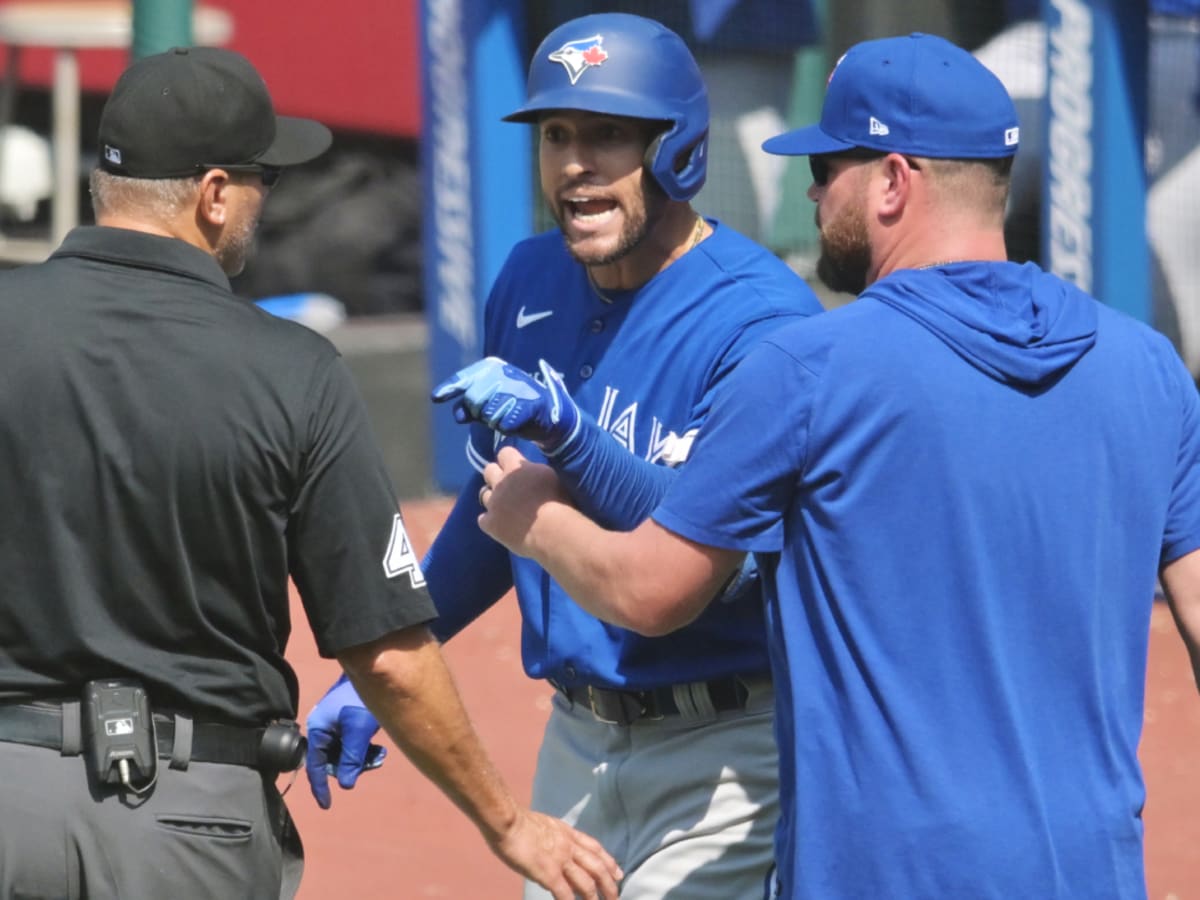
x=1014 y=322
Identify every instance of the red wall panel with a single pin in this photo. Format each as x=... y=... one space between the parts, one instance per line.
x=352 y=64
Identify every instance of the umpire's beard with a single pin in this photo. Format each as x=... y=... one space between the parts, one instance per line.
x=236 y=243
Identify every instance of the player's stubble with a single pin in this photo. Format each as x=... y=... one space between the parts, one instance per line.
x=638 y=222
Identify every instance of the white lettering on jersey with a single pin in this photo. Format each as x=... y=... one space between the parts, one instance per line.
x=676 y=448
x=624 y=428
x=660 y=444
x=399 y=556
x=606 y=408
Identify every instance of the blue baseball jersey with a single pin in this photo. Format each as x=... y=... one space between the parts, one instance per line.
x=960 y=488
x=644 y=364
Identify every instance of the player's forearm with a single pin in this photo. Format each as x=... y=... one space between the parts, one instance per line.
x=1181 y=582
x=463 y=592
x=405 y=683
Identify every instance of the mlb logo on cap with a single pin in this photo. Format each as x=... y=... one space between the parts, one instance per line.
x=919 y=95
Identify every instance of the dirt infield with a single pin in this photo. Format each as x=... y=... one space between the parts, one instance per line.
x=396 y=838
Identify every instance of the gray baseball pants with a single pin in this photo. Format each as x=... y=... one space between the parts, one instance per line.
x=210 y=831
x=686 y=805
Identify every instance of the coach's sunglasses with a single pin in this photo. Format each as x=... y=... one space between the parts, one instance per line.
x=270 y=175
x=821 y=163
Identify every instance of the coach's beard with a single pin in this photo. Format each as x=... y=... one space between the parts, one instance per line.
x=845 y=253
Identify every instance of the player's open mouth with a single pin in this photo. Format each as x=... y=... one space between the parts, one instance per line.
x=590 y=212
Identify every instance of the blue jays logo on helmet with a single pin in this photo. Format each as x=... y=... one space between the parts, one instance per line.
x=579 y=56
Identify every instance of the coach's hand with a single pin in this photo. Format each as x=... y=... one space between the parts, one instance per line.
x=340 y=729
x=515 y=497
x=513 y=402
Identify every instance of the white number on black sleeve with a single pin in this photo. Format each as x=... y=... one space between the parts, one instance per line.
x=400 y=557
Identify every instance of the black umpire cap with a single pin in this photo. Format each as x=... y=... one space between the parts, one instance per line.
x=179 y=113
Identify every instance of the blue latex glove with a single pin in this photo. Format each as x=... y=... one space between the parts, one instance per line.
x=513 y=402
x=339 y=730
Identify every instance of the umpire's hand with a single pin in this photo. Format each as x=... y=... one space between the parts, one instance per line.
x=340 y=729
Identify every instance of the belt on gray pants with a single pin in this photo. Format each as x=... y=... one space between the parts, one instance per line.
x=42 y=724
x=697 y=698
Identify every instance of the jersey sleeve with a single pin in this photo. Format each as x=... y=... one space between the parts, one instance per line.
x=351 y=559
x=740 y=344
x=746 y=466
x=467 y=571
x=608 y=483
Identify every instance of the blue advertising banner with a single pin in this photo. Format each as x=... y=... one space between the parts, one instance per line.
x=477 y=173
x=1094 y=225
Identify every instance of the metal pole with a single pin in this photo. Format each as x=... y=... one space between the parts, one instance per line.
x=159 y=25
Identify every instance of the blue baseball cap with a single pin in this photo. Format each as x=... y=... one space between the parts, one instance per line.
x=919 y=95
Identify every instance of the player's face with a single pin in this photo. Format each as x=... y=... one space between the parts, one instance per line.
x=233 y=246
x=594 y=183
x=841 y=215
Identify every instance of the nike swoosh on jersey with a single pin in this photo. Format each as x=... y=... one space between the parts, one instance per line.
x=523 y=319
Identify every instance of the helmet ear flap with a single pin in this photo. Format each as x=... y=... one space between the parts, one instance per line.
x=683 y=175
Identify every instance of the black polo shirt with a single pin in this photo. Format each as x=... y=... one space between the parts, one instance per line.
x=169 y=454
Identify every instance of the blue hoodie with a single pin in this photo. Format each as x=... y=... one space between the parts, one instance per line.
x=959 y=487
x=1015 y=323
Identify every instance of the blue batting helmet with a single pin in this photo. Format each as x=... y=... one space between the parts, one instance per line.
x=625 y=65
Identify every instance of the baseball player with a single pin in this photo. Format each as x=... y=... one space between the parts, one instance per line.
x=965 y=483
x=662 y=748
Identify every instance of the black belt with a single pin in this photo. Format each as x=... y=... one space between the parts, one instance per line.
x=41 y=725
x=698 y=698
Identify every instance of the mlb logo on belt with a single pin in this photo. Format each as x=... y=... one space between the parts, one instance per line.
x=579 y=56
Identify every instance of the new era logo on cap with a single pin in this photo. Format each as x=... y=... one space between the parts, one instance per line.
x=1012 y=137
x=878 y=127
x=579 y=56
x=112 y=154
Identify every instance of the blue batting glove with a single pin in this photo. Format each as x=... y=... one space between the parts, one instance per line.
x=339 y=730
x=513 y=402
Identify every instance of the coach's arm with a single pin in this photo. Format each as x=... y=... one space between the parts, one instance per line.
x=649 y=580
x=405 y=683
x=1181 y=583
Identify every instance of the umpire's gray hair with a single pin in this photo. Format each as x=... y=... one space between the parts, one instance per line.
x=156 y=199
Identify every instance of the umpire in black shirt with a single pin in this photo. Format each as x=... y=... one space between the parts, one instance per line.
x=169 y=456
